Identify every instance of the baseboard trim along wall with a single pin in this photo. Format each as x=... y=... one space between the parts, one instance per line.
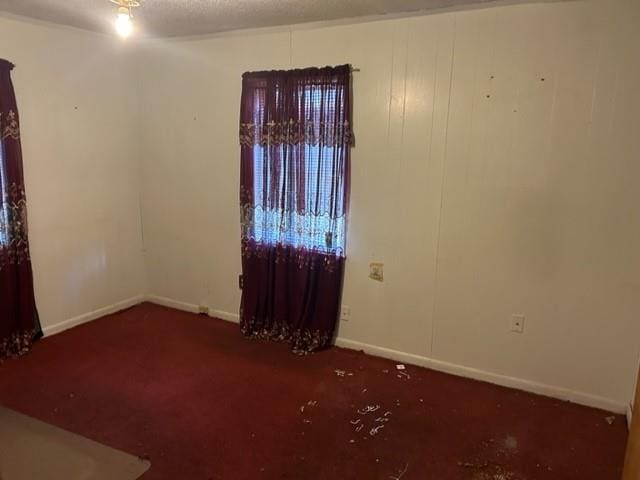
x=87 y=317
x=193 y=308
x=453 y=369
x=560 y=393
x=167 y=302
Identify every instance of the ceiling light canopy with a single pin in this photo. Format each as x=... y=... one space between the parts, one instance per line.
x=124 y=23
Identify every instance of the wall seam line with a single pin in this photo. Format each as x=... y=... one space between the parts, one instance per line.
x=444 y=165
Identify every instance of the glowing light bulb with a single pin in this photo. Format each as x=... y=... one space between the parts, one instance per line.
x=123 y=23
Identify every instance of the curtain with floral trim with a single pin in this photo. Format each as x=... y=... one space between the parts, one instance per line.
x=19 y=324
x=295 y=137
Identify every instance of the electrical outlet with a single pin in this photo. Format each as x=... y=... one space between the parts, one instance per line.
x=517 y=323
x=376 y=271
x=345 y=313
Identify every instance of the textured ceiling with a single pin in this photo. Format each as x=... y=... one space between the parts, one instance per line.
x=195 y=17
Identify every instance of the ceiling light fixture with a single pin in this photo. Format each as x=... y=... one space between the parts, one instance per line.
x=124 y=25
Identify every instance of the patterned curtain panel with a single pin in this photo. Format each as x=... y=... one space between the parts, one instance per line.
x=295 y=137
x=19 y=325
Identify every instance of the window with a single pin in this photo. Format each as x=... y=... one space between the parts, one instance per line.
x=295 y=138
x=297 y=141
x=305 y=221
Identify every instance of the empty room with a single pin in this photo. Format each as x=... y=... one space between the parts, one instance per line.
x=319 y=240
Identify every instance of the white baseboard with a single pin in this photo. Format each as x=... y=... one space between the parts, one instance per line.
x=451 y=368
x=229 y=317
x=495 y=378
x=459 y=370
x=167 y=302
x=87 y=317
x=192 y=307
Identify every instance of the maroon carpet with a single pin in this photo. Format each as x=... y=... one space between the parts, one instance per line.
x=201 y=402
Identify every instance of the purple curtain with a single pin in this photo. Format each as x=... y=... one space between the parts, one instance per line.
x=295 y=137
x=19 y=325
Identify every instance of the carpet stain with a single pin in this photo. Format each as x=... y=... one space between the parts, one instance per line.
x=510 y=443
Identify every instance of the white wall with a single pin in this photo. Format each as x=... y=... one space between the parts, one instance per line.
x=541 y=212
x=484 y=189
x=79 y=115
